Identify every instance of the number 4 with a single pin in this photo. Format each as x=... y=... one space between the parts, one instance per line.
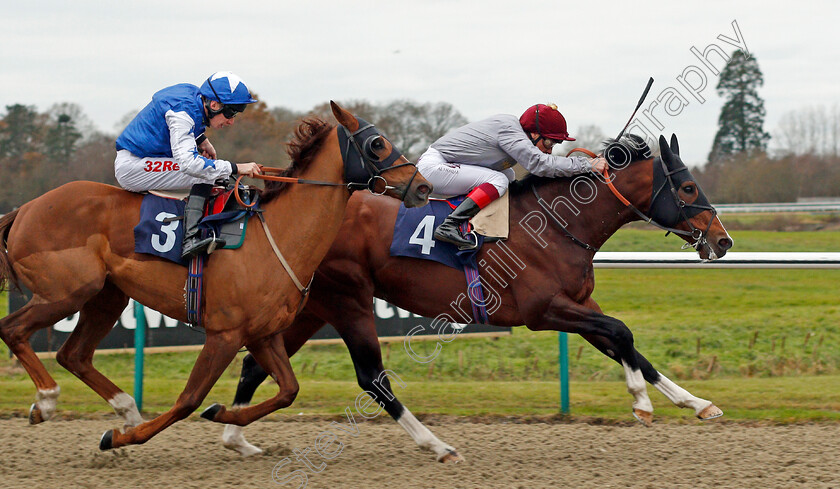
x=427 y=228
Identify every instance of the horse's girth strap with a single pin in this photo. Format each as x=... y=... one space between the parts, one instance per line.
x=303 y=290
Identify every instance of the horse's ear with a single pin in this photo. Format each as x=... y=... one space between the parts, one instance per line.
x=675 y=145
x=665 y=150
x=344 y=118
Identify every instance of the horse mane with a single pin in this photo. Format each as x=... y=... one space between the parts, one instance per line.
x=635 y=145
x=308 y=138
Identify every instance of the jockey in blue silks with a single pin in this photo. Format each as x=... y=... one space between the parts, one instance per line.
x=164 y=147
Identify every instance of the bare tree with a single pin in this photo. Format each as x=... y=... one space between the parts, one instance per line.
x=812 y=130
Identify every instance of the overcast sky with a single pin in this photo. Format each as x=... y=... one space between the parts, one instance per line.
x=484 y=57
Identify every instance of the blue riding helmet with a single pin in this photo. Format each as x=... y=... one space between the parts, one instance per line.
x=227 y=88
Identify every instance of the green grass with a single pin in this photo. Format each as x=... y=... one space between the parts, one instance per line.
x=763 y=344
x=778 y=400
x=650 y=239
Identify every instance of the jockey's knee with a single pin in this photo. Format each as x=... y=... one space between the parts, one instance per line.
x=501 y=183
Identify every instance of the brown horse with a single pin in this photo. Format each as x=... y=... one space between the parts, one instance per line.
x=542 y=277
x=73 y=248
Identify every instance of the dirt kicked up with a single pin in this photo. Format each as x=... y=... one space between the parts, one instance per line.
x=499 y=453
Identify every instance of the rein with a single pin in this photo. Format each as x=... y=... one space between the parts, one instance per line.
x=303 y=181
x=698 y=235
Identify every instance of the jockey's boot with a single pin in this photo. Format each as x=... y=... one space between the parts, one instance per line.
x=193 y=212
x=449 y=230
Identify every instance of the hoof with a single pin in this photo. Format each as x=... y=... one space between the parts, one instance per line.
x=644 y=417
x=35 y=416
x=107 y=440
x=451 y=457
x=212 y=411
x=233 y=439
x=711 y=412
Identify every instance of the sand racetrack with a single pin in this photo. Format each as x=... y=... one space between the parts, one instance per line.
x=499 y=452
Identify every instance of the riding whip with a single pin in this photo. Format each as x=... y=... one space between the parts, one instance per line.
x=644 y=94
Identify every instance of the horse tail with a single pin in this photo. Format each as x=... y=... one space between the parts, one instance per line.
x=7 y=275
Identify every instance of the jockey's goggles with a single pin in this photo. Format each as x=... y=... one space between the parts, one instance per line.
x=230 y=110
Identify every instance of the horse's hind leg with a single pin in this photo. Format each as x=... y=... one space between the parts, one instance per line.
x=250 y=378
x=703 y=408
x=359 y=334
x=17 y=328
x=96 y=320
x=219 y=349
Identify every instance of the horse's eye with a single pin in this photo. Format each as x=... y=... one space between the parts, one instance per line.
x=689 y=189
x=377 y=144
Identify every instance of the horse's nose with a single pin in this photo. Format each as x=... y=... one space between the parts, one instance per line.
x=424 y=189
x=725 y=243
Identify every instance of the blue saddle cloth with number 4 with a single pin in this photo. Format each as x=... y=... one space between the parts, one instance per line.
x=414 y=234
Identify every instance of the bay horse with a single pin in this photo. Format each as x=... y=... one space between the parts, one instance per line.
x=73 y=247
x=542 y=277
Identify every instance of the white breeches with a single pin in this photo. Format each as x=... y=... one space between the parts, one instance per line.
x=453 y=179
x=141 y=174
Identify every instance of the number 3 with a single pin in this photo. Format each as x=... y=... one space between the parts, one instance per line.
x=427 y=227
x=168 y=230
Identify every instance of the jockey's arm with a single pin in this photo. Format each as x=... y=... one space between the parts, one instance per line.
x=535 y=161
x=186 y=153
x=205 y=147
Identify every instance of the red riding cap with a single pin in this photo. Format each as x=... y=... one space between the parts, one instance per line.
x=546 y=121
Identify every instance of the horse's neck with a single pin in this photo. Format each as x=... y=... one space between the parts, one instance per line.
x=633 y=183
x=304 y=220
x=594 y=220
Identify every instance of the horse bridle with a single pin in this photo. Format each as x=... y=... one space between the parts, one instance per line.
x=699 y=236
x=695 y=233
x=368 y=159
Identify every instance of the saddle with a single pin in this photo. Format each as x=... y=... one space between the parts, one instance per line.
x=158 y=232
x=493 y=222
x=225 y=217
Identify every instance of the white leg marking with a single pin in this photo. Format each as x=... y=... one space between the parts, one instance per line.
x=680 y=396
x=233 y=438
x=46 y=401
x=636 y=386
x=421 y=435
x=126 y=408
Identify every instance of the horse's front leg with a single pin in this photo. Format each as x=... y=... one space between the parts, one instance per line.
x=219 y=350
x=271 y=355
x=304 y=326
x=563 y=314
x=703 y=408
